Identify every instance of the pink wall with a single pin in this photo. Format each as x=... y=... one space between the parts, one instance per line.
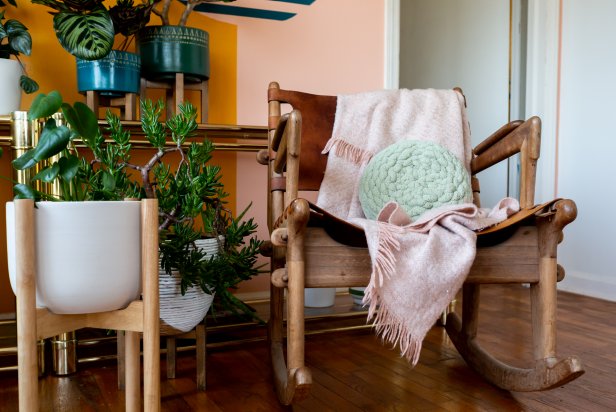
x=329 y=47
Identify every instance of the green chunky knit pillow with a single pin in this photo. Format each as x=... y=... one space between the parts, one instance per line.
x=418 y=175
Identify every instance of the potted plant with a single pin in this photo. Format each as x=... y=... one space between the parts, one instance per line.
x=14 y=40
x=87 y=30
x=192 y=201
x=169 y=49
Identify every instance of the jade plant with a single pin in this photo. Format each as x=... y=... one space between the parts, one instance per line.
x=15 y=40
x=191 y=196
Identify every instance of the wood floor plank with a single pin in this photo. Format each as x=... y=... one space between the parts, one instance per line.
x=353 y=371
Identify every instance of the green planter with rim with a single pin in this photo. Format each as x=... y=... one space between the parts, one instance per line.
x=112 y=76
x=167 y=50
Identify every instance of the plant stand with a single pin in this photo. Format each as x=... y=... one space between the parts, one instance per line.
x=126 y=103
x=199 y=334
x=174 y=92
x=140 y=316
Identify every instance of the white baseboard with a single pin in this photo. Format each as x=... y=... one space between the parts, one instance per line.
x=589 y=284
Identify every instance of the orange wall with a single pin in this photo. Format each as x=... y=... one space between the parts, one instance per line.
x=54 y=68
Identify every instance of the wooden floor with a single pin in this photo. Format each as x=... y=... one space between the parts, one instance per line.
x=354 y=372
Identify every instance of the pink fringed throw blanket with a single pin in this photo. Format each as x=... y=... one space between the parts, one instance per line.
x=417 y=267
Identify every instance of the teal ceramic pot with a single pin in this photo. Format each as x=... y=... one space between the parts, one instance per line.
x=114 y=75
x=167 y=50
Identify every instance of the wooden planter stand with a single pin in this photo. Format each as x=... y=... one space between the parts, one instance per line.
x=127 y=103
x=140 y=316
x=174 y=92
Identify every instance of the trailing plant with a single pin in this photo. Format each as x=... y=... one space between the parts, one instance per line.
x=163 y=10
x=191 y=197
x=86 y=29
x=15 y=40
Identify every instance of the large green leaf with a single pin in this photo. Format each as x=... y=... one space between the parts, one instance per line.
x=51 y=142
x=69 y=166
x=83 y=120
x=22 y=191
x=88 y=35
x=45 y=105
x=19 y=38
x=48 y=174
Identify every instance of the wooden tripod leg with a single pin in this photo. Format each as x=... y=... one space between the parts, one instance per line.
x=27 y=367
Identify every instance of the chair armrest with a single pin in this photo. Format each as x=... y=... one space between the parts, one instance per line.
x=515 y=137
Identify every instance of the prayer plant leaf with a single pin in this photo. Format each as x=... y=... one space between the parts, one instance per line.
x=88 y=36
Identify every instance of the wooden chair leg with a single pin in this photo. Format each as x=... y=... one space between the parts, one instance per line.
x=547 y=372
x=292 y=378
x=201 y=349
x=171 y=356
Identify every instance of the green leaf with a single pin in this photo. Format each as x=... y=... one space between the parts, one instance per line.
x=88 y=36
x=51 y=142
x=25 y=161
x=22 y=191
x=108 y=181
x=83 y=120
x=69 y=166
x=27 y=84
x=48 y=174
x=19 y=38
x=45 y=105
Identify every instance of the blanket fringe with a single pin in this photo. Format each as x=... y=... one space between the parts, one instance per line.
x=395 y=332
x=347 y=151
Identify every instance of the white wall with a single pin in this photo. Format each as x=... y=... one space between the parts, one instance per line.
x=586 y=164
x=465 y=43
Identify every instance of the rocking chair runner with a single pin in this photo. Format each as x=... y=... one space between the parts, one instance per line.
x=314 y=249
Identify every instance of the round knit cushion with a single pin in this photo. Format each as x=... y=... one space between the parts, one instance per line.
x=418 y=175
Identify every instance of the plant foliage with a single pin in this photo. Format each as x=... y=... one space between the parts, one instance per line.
x=191 y=196
x=15 y=40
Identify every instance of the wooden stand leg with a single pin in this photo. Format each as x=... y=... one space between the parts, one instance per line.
x=133 y=369
x=171 y=356
x=26 y=307
x=201 y=349
x=151 y=316
x=121 y=357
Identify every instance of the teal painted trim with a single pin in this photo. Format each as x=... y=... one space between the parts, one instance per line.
x=244 y=12
x=304 y=2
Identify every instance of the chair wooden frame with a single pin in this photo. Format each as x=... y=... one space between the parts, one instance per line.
x=520 y=250
x=140 y=316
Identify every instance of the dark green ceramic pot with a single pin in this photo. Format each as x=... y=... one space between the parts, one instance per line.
x=114 y=75
x=167 y=50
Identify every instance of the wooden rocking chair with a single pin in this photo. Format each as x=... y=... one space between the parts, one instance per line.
x=521 y=249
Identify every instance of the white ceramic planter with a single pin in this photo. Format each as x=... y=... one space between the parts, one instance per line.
x=88 y=255
x=10 y=92
x=181 y=313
